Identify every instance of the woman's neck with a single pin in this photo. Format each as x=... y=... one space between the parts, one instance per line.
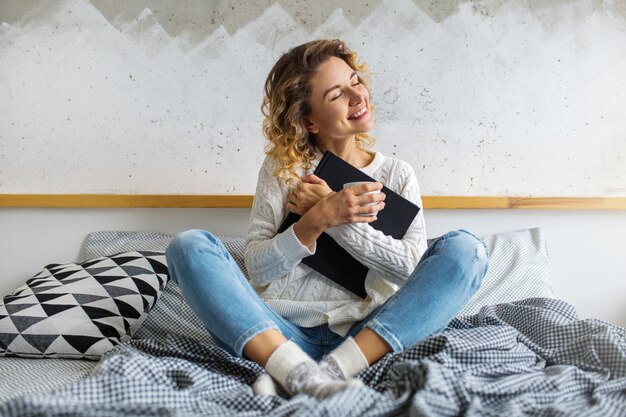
x=349 y=152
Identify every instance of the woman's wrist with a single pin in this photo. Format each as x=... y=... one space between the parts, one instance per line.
x=310 y=226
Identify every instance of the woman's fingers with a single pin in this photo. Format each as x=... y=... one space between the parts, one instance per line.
x=314 y=179
x=366 y=188
x=350 y=208
x=363 y=213
x=370 y=198
x=365 y=219
x=369 y=210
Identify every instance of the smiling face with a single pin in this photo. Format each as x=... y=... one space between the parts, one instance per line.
x=339 y=103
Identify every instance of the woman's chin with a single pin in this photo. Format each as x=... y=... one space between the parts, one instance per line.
x=369 y=125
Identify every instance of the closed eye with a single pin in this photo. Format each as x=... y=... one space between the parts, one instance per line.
x=339 y=95
x=352 y=76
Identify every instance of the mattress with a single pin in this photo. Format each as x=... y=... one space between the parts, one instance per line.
x=508 y=279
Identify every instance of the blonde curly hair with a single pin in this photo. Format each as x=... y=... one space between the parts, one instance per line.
x=286 y=104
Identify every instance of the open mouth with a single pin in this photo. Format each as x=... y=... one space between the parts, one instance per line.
x=359 y=115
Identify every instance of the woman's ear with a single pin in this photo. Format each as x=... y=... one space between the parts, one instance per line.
x=310 y=126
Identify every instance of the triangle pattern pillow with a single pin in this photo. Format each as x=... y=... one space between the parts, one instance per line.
x=81 y=310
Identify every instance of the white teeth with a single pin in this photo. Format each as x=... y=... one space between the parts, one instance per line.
x=357 y=114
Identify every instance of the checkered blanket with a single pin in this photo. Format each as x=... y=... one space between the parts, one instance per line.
x=532 y=357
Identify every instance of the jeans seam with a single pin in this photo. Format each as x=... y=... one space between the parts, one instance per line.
x=386 y=334
x=251 y=333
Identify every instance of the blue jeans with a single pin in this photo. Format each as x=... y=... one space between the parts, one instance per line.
x=446 y=277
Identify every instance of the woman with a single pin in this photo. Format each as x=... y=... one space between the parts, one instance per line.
x=316 y=99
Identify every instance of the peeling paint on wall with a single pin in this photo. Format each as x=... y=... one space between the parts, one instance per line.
x=482 y=98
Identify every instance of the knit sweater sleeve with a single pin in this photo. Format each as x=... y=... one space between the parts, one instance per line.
x=394 y=259
x=268 y=255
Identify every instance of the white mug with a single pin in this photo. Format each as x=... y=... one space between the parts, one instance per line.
x=352 y=184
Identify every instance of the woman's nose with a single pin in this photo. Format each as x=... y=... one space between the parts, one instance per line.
x=356 y=96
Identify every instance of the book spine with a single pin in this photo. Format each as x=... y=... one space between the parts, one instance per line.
x=323 y=161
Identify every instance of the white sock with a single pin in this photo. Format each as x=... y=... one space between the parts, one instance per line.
x=284 y=359
x=297 y=373
x=265 y=385
x=346 y=361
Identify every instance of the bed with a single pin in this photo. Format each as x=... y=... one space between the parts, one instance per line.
x=515 y=349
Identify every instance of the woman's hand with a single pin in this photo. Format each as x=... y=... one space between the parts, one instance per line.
x=310 y=190
x=348 y=205
x=337 y=208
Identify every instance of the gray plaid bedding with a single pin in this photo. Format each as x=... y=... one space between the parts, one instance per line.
x=533 y=358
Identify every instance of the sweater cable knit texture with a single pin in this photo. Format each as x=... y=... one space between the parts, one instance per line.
x=301 y=294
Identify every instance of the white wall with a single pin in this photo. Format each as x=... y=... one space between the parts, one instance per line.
x=482 y=98
x=587 y=248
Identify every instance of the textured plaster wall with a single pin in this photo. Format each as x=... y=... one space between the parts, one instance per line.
x=482 y=98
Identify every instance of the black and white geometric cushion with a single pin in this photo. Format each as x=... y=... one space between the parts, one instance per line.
x=81 y=310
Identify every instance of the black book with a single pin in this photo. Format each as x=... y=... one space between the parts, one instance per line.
x=330 y=259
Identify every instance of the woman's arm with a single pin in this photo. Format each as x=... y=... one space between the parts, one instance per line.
x=338 y=208
x=394 y=259
x=268 y=255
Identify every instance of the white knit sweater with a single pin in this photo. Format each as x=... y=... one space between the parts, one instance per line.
x=303 y=295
